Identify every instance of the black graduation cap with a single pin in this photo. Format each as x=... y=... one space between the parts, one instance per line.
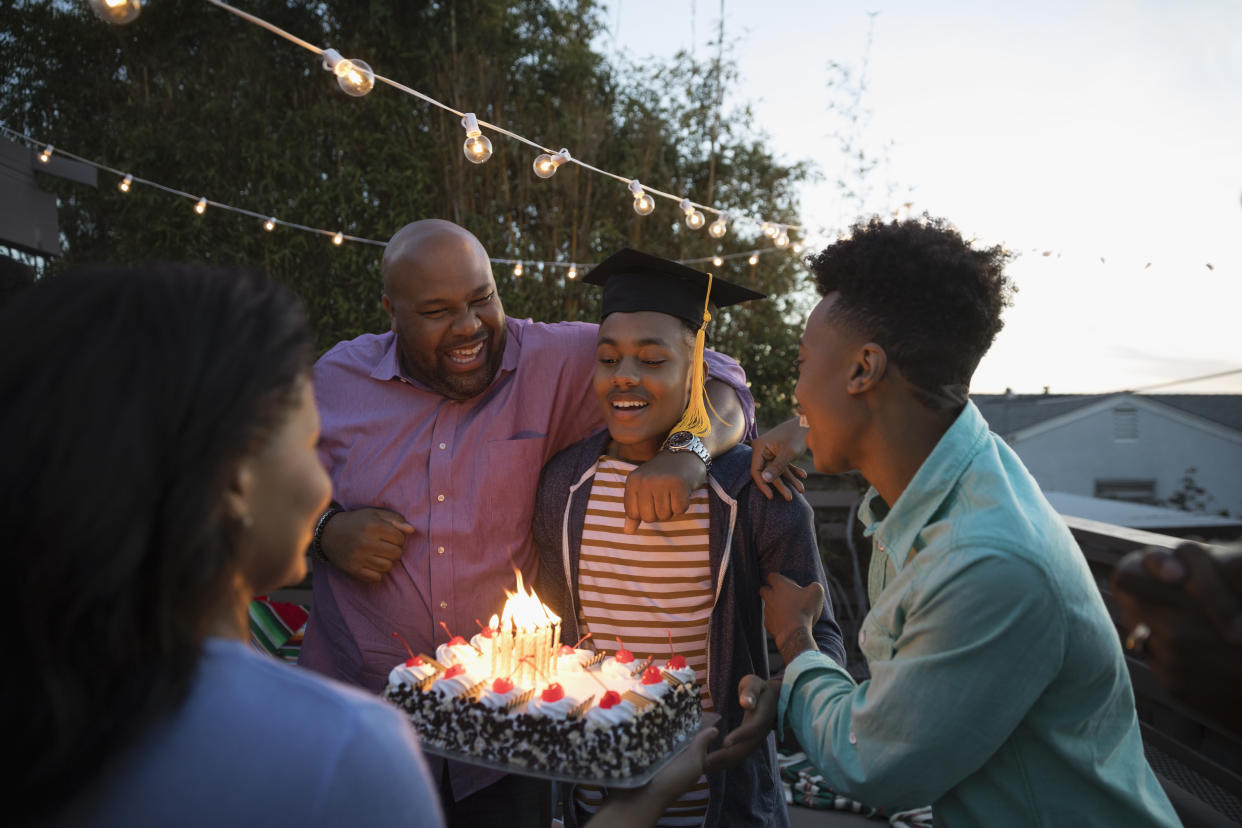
x=637 y=281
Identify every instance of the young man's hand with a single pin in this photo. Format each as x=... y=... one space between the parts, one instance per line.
x=759 y=699
x=365 y=543
x=790 y=612
x=660 y=489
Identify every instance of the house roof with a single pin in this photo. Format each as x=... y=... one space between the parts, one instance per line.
x=1135 y=515
x=1008 y=414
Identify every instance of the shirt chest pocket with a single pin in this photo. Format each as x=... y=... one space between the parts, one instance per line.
x=875 y=641
x=509 y=478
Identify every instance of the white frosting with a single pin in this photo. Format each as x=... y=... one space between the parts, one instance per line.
x=448 y=687
x=612 y=667
x=613 y=716
x=653 y=691
x=685 y=675
x=496 y=700
x=572 y=662
x=456 y=654
x=484 y=644
x=558 y=709
x=412 y=675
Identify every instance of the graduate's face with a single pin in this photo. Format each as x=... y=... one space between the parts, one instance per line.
x=826 y=360
x=449 y=322
x=642 y=379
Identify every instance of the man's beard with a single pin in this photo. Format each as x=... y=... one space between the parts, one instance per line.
x=465 y=386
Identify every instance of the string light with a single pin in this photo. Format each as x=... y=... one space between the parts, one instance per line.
x=754 y=259
x=573 y=271
x=354 y=77
x=270 y=224
x=694 y=218
x=338 y=239
x=201 y=206
x=546 y=165
x=46 y=155
x=719 y=227
x=125 y=184
x=517 y=269
x=477 y=147
x=643 y=203
x=782 y=238
x=717 y=261
x=769 y=229
x=118 y=12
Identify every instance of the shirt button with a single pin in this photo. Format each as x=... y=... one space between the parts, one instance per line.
x=862 y=637
x=443 y=446
x=444 y=605
x=853 y=738
x=440 y=498
x=440 y=551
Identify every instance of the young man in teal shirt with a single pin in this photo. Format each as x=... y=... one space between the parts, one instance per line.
x=998 y=690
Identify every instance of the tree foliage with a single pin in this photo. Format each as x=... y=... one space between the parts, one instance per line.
x=195 y=98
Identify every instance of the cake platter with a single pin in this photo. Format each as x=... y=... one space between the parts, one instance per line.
x=636 y=781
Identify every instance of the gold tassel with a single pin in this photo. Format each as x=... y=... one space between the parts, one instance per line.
x=695 y=419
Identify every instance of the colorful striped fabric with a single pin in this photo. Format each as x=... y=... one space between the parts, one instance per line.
x=804 y=786
x=276 y=627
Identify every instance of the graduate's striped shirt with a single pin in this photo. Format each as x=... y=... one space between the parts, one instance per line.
x=641 y=588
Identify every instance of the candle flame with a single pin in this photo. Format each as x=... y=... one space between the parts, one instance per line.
x=524 y=610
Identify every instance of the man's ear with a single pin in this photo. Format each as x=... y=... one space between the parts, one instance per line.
x=869 y=366
x=392 y=319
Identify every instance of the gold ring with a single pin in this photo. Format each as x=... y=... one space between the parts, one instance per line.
x=1137 y=639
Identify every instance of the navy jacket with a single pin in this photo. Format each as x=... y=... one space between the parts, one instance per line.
x=750 y=537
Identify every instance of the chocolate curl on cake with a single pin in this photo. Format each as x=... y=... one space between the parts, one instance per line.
x=582 y=708
x=672 y=679
x=641 y=702
x=439 y=667
x=638 y=671
x=595 y=659
x=472 y=693
x=519 y=701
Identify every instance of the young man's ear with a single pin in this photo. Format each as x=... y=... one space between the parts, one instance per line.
x=869 y=367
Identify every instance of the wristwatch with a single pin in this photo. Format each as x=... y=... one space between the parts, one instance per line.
x=680 y=441
x=316 y=546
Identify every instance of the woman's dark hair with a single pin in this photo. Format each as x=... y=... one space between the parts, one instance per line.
x=129 y=397
x=923 y=294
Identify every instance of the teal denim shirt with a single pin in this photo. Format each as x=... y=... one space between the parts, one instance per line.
x=998 y=690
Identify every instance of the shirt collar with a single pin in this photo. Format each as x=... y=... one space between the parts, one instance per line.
x=388 y=367
x=895 y=528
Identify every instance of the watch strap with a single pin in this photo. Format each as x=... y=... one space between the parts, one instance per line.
x=316 y=545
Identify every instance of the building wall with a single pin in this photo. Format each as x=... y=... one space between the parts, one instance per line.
x=1073 y=456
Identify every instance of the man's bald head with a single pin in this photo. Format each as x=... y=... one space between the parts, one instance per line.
x=430 y=242
x=440 y=296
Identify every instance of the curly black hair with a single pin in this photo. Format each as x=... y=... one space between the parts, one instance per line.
x=923 y=294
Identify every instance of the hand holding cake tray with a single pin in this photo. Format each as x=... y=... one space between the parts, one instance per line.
x=514 y=699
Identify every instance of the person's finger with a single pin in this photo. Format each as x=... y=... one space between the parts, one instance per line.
x=1205 y=584
x=757 y=464
x=798 y=470
x=396 y=520
x=388 y=551
x=749 y=690
x=631 y=525
x=678 y=501
x=779 y=485
x=647 y=509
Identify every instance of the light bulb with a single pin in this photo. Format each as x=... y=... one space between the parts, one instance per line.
x=270 y=224
x=782 y=240
x=546 y=164
x=517 y=269
x=477 y=147
x=694 y=218
x=354 y=76
x=643 y=203
x=573 y=271
x=717 y=261
x=719 y=227
x=200 y=206
x=338 y=239
x=125 y=183
x=118 y=12
x=46 y=155
x=770 y=229
x=754 y=259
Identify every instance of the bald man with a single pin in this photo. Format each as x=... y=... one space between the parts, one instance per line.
x=434 y=434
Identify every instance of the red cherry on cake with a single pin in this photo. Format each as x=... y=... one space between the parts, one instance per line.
x=652 y=675
x=455 y=670
x=457 y=641
x=553 y=692
x=611 y=699
x=624 y=656
x=677 y=663
x=414 y=661
x=566 y=650
x=502 y=686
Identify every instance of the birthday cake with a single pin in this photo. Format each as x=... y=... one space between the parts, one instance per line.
x=514 y=696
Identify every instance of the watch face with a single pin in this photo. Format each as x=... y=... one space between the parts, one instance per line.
x=679 y=439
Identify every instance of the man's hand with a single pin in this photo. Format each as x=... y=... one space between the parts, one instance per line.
x=759 y=699
x=1188 y=603
x=660 y=488
x=772 y=456
x=790 y=613
x=645 y=805
x=364 y=543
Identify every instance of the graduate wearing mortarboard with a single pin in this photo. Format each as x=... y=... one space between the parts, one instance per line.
x=685 y=590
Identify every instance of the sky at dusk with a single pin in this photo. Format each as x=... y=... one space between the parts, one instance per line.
x=1105 y=134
